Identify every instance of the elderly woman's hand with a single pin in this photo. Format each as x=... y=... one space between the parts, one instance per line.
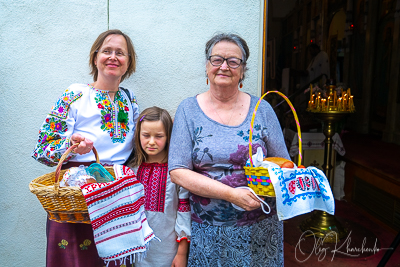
x=85 y=145
x=245 y=199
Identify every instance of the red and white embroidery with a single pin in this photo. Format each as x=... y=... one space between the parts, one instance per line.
x=128 y=171
x=292 y=187
x=154 y=176
x=184 y=205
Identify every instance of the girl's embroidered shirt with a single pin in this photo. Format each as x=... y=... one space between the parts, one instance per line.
x=90 y=112
x=167 y=210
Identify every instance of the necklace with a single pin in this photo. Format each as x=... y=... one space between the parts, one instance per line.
x=232 y=109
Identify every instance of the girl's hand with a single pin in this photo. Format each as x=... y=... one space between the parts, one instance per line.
x=181 y=257
x=85 y=145
x=245 y=199
x=180 y=260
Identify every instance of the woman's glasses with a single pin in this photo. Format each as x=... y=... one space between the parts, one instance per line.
x=232 y=62
x=109 y=52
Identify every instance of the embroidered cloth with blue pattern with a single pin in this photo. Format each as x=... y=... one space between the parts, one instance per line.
x=299 y=190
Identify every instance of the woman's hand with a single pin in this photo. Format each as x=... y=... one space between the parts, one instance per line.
x=85 y=145
x=245 y=199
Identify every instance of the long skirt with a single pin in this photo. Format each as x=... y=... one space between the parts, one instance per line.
x=71 y=244
x=259 y=244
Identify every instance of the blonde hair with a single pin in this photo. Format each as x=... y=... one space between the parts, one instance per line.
x=149 y=114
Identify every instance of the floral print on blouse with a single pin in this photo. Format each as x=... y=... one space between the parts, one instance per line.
x=111 y=121
x=220 y=152
x=90 y=112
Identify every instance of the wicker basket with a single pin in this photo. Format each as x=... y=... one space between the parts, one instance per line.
x=62 y=204
x=258 y=178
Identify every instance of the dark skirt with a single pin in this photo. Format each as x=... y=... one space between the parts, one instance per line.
x=71 y=244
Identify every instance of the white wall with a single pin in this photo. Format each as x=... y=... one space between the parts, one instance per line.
x=44 y=48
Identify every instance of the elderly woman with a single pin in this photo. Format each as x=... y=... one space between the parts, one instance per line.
x=208 y=150
x=99 y=114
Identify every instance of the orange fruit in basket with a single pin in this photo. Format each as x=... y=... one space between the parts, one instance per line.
x=301 y=167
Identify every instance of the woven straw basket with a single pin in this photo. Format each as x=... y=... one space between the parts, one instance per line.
x=62 y=204
x=258 y=178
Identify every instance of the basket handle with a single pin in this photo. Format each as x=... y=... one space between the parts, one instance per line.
x=60 y=163
x=252 y=122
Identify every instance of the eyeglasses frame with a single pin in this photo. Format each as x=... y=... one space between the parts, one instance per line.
x=115 y=53
x=225 y=59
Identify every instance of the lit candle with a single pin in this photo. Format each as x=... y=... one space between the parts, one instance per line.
x=351 y=103
x=329 y=97
x=334 y=99
x=339 y=104
x=311 y=93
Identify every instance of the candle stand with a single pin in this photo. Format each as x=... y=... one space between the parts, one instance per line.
x=330 y=111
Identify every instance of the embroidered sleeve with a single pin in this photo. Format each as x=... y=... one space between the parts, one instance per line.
x=183 y=219
x=54 y=134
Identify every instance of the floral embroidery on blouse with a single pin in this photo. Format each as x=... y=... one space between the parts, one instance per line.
x=60 y=109
x=114 y=116
x=85 y=245
x=63 y=244
x=50 y=134
x=50 y=137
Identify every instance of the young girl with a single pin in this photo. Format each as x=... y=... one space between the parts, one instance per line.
x=166 y=204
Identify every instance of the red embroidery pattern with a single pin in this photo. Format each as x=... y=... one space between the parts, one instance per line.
x=153 y=176
x=127 y=171
x=184 y=205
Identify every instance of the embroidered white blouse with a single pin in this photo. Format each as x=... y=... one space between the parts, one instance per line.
x=90 y=112
x=167 y=210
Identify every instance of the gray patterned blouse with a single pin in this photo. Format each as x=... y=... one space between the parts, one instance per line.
x=219 y=152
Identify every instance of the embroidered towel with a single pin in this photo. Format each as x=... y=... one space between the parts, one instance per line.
x=116 y=211
x=300 y=190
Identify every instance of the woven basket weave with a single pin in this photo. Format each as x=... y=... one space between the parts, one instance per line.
x=62 y=204
x=258 y=178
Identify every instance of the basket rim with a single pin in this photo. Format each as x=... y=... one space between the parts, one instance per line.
x=40 y=189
